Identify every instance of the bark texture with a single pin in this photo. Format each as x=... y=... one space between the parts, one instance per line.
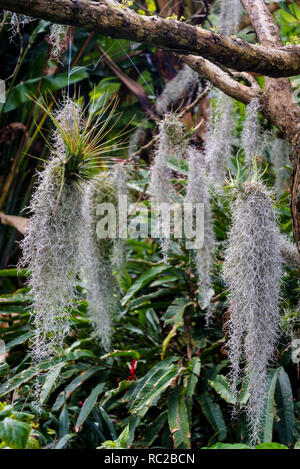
x=110 y=18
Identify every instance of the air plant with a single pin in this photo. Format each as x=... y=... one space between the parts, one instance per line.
x=252 y=271
x=185 y=80
x=218 y=149
x=198 y=192
x=50 y=246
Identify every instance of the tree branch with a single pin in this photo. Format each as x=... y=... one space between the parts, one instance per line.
x=220 y=79
x=110 y=18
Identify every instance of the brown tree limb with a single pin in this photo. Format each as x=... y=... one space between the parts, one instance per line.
x=109 y=18
x=220 y=79
x=277 y=100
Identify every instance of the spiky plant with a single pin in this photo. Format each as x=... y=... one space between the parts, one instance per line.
x=218 y=150
x=185 y=80
x=252 y=271
x=50 y=246
x=198 y=192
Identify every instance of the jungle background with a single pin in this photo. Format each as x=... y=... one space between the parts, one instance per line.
x=95 y=399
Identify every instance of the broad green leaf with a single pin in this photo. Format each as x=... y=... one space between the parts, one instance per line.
x=228 y=446
x=178 y=420
x=149 y=387
x=285 y=408
x=269 y=408
x=21 y=339
x=26 y=375
x=271 y=446
x=214 y=415
x=222 y=387
x=50 y=380
x=153 y=430
x=143 y=280
x=108 y=422
x=14 y=433
x=88 y=405
x=13 y=273
x=75 y=383
x=23 y=92
x=64 y=421
x=192 y=380
x=174 y=313
x=64 y=440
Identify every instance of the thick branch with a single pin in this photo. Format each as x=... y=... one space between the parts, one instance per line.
x=220 y=79
x=109 y=18
x=277 y=99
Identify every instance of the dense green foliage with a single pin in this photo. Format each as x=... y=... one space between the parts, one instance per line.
x=178 y=395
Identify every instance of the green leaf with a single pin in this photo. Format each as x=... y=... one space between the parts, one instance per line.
x=13 y=273
x=24 y=92
x=143 y=280
x=149 y=387
x=49 y=383
x=270 y=446
x=108 y=422
x=21 y=339
x=153 y=430
x=64 y=421
x=192 y=380
x=222 y=387
x=64 y=440
x=75 y=383
x=285 y=409
x=14 y=433
x=178 y=420
x=88 y=405
x=214 y=415
x=228 y=446
x=174 y=313
x=269 y=408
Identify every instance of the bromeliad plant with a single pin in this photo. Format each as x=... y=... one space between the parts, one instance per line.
x=51 y=247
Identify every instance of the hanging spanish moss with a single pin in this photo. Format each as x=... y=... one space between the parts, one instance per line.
x=197 y=192
x=250 y=133
x=230 y=16
x=171 y=143
x=56 y=39
x=50 y=246
x=289 y=251
x=184 y=82
x=279 y=153
x=49 y=252
x=218 y=150
x=120 y=175
x=135 y=141
x=252 y=270
x=95 y=259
